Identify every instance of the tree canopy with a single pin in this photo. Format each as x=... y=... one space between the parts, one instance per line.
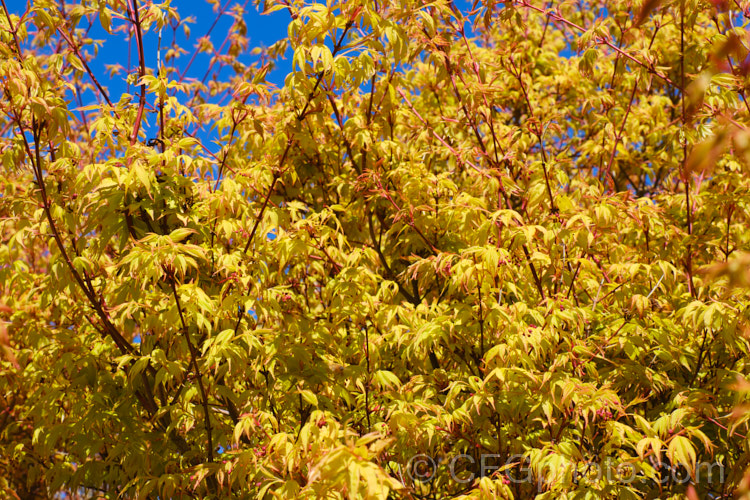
x=465 y=250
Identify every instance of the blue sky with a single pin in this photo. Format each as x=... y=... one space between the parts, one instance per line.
x=263 y=30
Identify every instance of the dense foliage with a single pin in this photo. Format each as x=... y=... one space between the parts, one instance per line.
x=494 y=251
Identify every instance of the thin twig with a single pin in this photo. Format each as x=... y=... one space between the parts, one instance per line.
x=194 y=362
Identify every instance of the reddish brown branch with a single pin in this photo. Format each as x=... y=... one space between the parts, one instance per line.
x=194 y=362
x=78 y=54
x=134 y=16
x=618 y=136
x=301 y=116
